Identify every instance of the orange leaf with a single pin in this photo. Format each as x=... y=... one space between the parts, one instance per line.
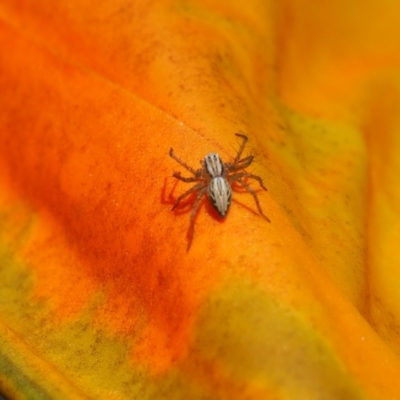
x=100 y=297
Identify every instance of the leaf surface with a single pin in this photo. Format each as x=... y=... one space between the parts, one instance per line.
x=99 y=297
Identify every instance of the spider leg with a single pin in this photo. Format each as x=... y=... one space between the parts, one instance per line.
x=251 y=190
x=172 y=154
x=198 y=186
x=177 y=175
x=193 y=215
x=242 y=164
x=239 y=153
x=244 y=174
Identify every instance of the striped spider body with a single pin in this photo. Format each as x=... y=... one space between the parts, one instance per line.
x=220 y=195
x=215 y=178
x=219 y=190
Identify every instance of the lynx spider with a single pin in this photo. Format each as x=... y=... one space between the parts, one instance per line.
x=216 y=178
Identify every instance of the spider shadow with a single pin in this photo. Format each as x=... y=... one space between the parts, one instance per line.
x=170 y=198
x=186 y=205
x=237 y=188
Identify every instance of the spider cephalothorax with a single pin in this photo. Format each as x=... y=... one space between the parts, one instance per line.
x=216 y=177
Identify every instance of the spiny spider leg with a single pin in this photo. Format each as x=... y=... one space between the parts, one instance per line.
x=177 y=175
x=171 y=153
x=245 y=174
x=199 y=186
x=251 y=190
x=243 y=163
x=239 y=153
x=193 y=215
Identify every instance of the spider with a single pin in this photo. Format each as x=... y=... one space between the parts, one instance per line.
x=216 y=178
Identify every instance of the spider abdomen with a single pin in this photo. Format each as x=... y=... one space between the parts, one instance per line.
x=220 y=194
